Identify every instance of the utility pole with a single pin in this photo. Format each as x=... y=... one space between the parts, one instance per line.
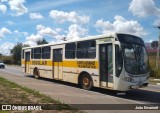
x=64 y=39
x=157 y=62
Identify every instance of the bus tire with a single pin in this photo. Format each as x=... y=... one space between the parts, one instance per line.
x=86 y=81
x=36 y=73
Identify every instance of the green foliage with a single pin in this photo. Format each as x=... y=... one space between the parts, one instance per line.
x=41 y=42
x=16 y=53
x=7 y=59
x=152 y=62
x=155 y=73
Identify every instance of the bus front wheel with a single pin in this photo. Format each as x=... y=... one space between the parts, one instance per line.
x=86 y=82
x=36 y=73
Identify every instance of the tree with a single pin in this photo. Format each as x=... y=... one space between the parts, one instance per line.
x=16 y=53
x=41 y=42
x=1 y=56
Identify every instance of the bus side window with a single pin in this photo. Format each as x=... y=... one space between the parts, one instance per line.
x=46 y=52
x=86 y=49
x=70 y=50
x=32 y=52
x=37 y=53
x=92 y=49
x=81 y=52
x=119 y=61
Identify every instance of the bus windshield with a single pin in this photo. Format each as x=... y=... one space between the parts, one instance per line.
x=135 y=55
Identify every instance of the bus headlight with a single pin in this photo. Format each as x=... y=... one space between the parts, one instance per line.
x=129 y=79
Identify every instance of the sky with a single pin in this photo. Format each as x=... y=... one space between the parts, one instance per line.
x=27 y=21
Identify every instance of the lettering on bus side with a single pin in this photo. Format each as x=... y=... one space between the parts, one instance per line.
x=86 y=64
x=39 y=62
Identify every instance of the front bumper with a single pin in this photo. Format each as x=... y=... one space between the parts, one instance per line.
x=123 y=85
x=138 y=86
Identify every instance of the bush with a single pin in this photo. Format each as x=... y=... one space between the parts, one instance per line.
x=155 y=73
x=7 y=59
x=152 y=62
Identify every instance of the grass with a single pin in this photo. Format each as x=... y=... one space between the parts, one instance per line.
x=152 y=81
x=12 y=93
x=154 y=73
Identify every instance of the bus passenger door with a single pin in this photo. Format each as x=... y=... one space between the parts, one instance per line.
x=106 y=65
x=27 y=62
x=57 y=63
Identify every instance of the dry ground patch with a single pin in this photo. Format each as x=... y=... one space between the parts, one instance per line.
x=12 y=93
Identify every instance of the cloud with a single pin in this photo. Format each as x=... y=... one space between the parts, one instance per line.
x=75 y=32
x=157 y=22
x=34 y=38
x=20 y=33
x=58 y=29
x=144 y=8
x=1 y=35
x=73 y=17
x=120 y=25
x=47 y=31
x=35 y=16
x=47 y=4
x=10 y=23
x=3 y=8
x=18 y=7
x=4 y=31
x=3 y=0
x=41 y=32
x=31 y=43
x=5 y=48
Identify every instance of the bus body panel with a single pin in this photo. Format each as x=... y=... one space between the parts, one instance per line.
x=102 y=71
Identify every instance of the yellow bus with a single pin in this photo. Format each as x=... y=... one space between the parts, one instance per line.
x=113 y=61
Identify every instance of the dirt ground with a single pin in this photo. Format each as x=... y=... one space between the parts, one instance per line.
x=12 y=94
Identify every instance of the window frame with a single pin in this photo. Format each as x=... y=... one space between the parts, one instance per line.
x=37 y=54
x=70 y=50
x=87 y=49
x=46 y=54
x=22 y=54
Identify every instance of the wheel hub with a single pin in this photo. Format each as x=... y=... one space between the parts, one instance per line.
x=86 y=81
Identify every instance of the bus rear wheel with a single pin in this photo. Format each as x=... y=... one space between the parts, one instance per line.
x=86 y=82
x=36 y=73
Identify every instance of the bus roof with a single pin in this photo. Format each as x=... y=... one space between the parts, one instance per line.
x=77 y=40
x=69 y=41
